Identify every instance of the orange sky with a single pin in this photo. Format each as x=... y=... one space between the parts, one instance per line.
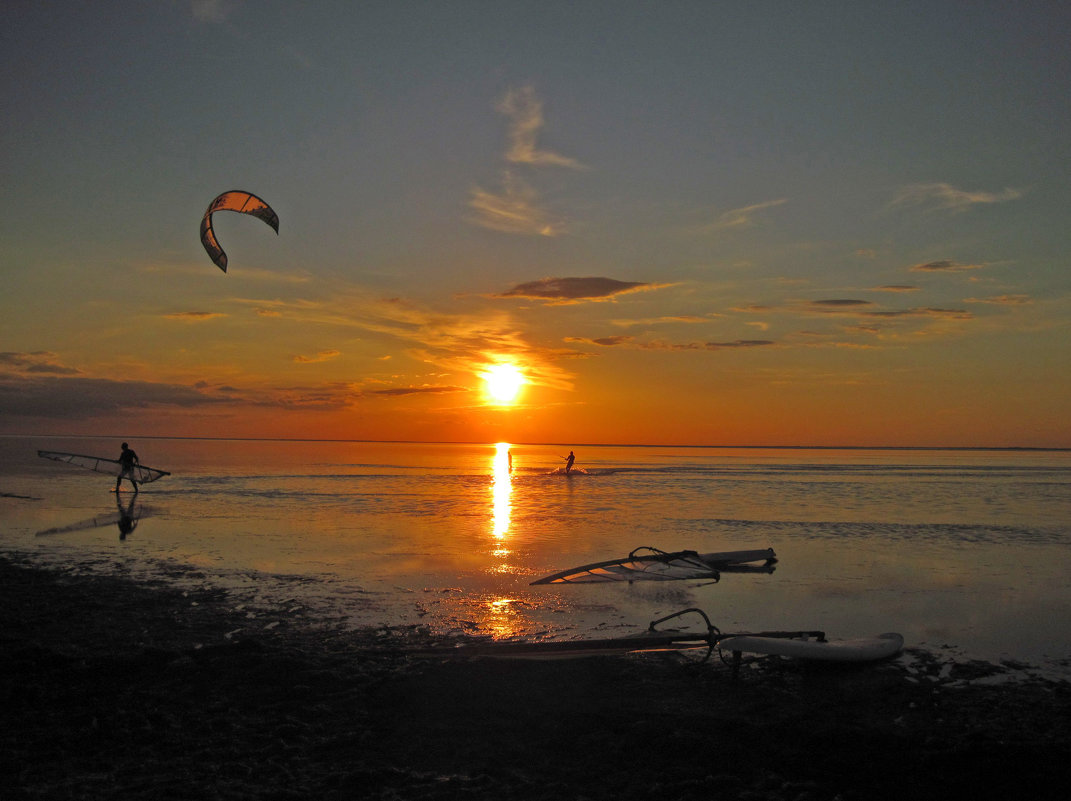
x=788 y=227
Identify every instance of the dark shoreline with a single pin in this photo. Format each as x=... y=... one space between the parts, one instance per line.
x=116 y=689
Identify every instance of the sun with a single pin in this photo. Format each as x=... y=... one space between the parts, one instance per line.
x=504 y=381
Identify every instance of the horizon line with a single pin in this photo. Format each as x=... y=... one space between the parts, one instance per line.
x=556 y=444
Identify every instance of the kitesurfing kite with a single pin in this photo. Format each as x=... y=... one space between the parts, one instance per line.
x=241 y=202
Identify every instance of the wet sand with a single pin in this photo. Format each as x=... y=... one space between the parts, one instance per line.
x=116 y=689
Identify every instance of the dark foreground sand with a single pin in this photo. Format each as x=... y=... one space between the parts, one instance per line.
x=112 y=689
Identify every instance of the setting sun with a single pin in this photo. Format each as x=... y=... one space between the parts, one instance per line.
x=504 y=381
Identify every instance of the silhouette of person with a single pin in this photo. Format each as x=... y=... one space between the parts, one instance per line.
x=127 y=521
x=569 y=462
x=127 y=460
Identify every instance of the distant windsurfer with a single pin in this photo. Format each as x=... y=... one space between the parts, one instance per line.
x=569 y=462
x=127 y=460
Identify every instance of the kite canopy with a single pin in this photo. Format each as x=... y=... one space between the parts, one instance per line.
x=241 y=202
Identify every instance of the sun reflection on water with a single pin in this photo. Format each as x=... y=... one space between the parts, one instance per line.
x=502 y=619
x=501 y=489
x=500 y=616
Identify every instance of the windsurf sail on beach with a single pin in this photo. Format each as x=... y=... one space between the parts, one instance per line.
x=238 y=201
x=110 y=467
x=658 y=565
x=803 y=644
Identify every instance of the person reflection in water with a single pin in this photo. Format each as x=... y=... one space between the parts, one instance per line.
x=569 y=462
x=127 y=460
x=127 y=521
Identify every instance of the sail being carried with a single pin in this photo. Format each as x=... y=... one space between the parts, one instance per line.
x=110 y=467
x=659 y=565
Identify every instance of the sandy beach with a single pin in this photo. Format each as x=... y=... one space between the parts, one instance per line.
x=116 y=689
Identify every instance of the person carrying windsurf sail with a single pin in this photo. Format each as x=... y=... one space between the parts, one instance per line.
x=127 y=460
x=569 y=462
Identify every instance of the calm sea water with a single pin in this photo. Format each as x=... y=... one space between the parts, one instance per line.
x=960 y=551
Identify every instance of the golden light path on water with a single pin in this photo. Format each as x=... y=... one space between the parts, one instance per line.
x=501 y=489
x=501 y=618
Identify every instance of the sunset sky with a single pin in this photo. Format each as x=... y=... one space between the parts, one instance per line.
x=841 y=223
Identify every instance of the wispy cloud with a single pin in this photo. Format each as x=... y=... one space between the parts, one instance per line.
x=660 y=344
x=605 y=342
x=79 y=398
x=517 y=207
x=896 y=288
x=863 y=308
x=925 y=311
x=577 y=290
x=735 y=344
x=212 y=10
x=39 y=361
x=1003 y=300
x=743 y=217
x=458 y=344
x=514 y=210
x=944 y=266
x=739 y=343
x=422 y=390
x=326 y=397
x=193 y=316
x=859 y=309
x=322 y=356
x=672 y=319
x=841 y=303
x=938 y=196
x=525 y=113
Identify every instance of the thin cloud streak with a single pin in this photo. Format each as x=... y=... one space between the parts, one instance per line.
x=1003 y=300
x=457 y=343
x=322 y=356
x=687 y=319
x=39 y=361
x=606 y=342
x=841 y=303
x=743 y=217
x=424 y=390
x=85 y=398
x=193 y=316
x=632 y=344
x=212 y=10
x=944 y=266
x=943 y=196
x=516 y=210
x=559 y=291
x=525 y=113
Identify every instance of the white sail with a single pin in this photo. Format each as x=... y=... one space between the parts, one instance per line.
x=661 y=566
x=110 y=467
